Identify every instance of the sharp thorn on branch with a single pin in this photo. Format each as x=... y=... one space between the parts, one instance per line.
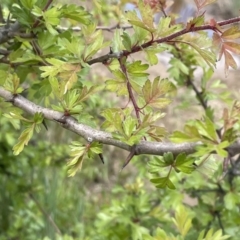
x=44 y=124
x=130 y=156
x=101 y=157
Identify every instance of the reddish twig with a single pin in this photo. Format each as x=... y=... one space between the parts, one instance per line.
x=165 y=39
x=130 y=92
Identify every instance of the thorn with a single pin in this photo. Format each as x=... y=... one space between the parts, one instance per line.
x=130 y=156
x=44 y=124
x=101 y=157
x=110 y=51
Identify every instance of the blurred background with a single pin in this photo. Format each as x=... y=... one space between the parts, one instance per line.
x=39 y=201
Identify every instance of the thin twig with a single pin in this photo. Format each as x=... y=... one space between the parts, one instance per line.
x=130 y=92
x=104 y=28
x=164 y=39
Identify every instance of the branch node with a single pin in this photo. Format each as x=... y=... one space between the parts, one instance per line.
x=61 y=120
x=130 y=156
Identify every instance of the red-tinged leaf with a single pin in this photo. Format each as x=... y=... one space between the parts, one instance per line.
x=217 y=41
x=231 y=33
x=232 y=47
x=229 y=61
x=198 y=21
x=221 y=53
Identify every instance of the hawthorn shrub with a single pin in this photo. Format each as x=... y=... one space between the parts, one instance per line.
x=57 y=117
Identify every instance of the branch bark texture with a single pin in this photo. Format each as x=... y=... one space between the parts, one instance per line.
x=144 y=147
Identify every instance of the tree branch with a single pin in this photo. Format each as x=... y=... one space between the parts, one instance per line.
x=164 y=39
x=103 y=28
x=8 y=30
x=144 y=147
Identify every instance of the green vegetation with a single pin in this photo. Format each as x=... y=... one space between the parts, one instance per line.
x=73 y=98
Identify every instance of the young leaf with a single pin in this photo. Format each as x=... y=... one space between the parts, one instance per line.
x=76 y=13
x=152 y=92
x=147 y=18
x=75 y=162
x=184 y=163
x=182 y=221
x=23 y=140
x=126 y=41
x=95 y=148
x=165 y=28
x=52 y=18
x=163 y=182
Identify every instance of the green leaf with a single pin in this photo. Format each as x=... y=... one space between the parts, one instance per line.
x=146 y=23
x=117 y=45
x=137 y=67
x=207 y=128
x=182 y=221
x=156 y=165
x=3 y=76
x=129 y=125
x=190 y=134
x=126 y=41
x=12 y=84
x=53 y=70
x=16 y=115
x=76 y=158
x=221 y=149
x=28 y=3
x=97 y=43
x=76 y=13
x=161 y=162
x=74 y=46
x=118 y=86
x=153 y=91
x=168 y=158
x=184 y=163
x=165 y=28
x=180 y=65
x=22 y=15
x=214 y=236
x=85 y=93
x=23 y=140
x=38 y=118
x=52 y=18
x=152 y=51
x=95 y=148
x=231 y=199
x=208 y=56
x=163 y=182
x=69 y=75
